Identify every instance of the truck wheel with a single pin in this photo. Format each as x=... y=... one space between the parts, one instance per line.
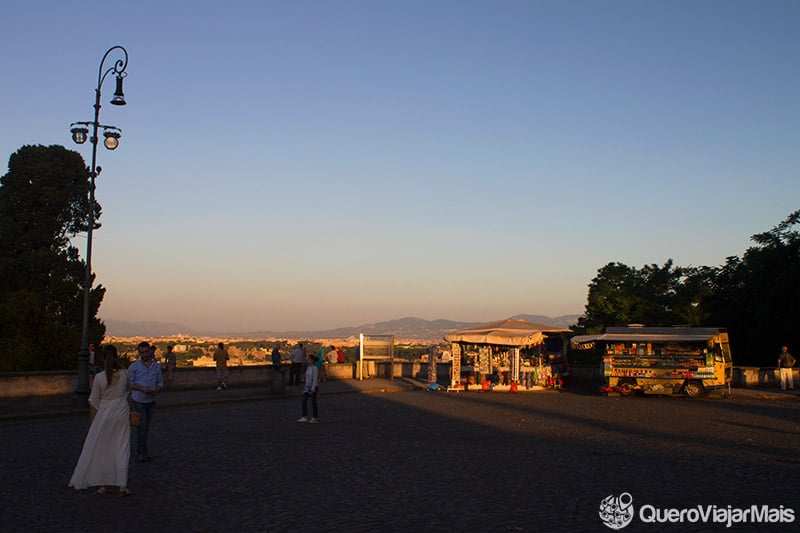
x=693 y=389
x=626 y=387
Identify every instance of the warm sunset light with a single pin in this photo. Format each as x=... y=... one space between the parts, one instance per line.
x=299 y=166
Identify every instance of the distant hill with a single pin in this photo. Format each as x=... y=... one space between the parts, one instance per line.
x=121 y=328
x=563 y=321
x=409 y=328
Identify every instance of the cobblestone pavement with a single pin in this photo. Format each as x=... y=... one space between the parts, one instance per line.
x=416 y=461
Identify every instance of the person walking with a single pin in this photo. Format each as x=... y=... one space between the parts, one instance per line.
x=146 y=383
x=310 y=391
x=297 y=358
x=107 y=448
x=785 y=363
x=221 y=359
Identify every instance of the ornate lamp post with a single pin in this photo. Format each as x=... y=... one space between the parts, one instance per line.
x=80 y=131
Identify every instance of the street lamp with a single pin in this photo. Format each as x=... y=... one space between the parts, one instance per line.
x=80 y=132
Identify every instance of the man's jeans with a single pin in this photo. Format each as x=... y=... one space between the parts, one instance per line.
x=146 y=411
x=786 y=375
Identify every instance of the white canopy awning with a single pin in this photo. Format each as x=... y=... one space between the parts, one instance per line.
x=510 y=332
x=651 y=334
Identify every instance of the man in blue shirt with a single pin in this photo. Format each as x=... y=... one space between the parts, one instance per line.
x=146 y=382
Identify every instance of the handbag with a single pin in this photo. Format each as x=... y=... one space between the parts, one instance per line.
x=136 y=419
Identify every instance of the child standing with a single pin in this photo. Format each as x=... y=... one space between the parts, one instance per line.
x=310 y=391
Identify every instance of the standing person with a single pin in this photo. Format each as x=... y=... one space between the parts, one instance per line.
x=93 y=363
x=310 y=391
x=221 y=358
x=276 y=356
x=92 y=359
x=277 y=366
x=93 y=366
x=297 y=357
x=146 y=382
x=170 y=360
x=320 y=363
x=785 y=363
x=339 y=355
x=107 y=448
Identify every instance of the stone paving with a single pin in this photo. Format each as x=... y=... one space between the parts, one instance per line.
x=415 y=461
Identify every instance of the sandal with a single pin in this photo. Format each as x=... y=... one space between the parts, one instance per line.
x=101 y=491
x=123 y=492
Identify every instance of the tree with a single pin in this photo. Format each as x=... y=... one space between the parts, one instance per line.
x=758 y=296
x=691 y=295
x=43 y=203
x=611 y=298
x=653 y=295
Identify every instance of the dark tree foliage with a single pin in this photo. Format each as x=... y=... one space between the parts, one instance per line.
x=611 y=298
x=655 y=296
x=43 y=203
x=756 y=297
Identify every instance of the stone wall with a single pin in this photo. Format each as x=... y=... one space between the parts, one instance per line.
x=16 y=385
x=753 y=376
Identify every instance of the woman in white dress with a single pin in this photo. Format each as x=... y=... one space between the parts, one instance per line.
x=107 y=448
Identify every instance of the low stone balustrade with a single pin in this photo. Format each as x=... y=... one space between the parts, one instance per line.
x=21 y=384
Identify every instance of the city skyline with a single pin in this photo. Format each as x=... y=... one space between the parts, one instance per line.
x=314 y=165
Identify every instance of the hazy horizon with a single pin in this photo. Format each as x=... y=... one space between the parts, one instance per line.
x=189 y=329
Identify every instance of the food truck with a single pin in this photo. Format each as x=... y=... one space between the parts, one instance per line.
x=671 y=360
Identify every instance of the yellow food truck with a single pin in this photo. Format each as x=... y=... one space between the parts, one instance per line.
x=671 y=360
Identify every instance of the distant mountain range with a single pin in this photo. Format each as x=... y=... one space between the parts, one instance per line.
x=404 y=328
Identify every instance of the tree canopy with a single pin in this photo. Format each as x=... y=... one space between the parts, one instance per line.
x=756 y=297
x=653 y=295
x=43 y=203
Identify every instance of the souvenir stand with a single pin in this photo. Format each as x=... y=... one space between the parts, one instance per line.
x=509 y=355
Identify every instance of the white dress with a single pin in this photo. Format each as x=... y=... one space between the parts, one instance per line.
x=107 y=448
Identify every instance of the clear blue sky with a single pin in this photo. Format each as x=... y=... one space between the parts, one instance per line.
x=332 y=163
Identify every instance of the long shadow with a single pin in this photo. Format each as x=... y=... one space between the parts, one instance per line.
x=412 y=461
x=756 y=406
x=641 y=406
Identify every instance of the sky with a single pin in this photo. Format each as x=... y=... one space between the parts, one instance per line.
x=318 y=164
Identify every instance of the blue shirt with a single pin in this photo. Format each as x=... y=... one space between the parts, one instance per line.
x=147 y=377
